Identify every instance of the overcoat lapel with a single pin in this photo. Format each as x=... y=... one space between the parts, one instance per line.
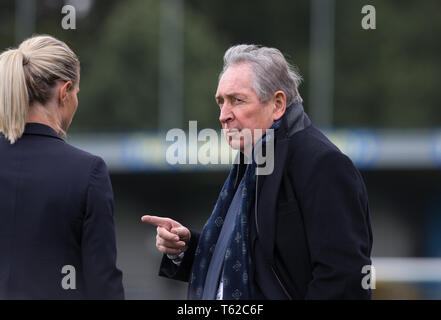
x=268 y=189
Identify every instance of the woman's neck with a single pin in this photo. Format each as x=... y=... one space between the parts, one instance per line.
x=42 y=114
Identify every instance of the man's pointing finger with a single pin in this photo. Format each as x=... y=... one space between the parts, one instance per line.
x=157 y=221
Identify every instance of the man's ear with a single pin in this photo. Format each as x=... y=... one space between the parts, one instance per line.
x=63 y=92
x=279 y=105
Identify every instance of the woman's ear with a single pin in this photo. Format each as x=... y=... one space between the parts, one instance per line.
x=64 y=92
x=279 y=105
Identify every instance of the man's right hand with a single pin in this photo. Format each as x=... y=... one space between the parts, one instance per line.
x=172 y=237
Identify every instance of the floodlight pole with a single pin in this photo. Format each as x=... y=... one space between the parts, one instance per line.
x=171 y=64
x=322 y=62
x=25 y=19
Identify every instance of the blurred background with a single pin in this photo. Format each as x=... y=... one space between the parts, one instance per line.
x=151 y=65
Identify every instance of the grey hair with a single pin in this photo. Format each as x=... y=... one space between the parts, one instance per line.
x=271 y=71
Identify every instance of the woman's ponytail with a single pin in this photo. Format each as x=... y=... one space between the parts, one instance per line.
x=14 y=98
x=27 y=76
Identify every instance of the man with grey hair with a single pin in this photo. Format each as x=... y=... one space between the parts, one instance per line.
x=301 y=232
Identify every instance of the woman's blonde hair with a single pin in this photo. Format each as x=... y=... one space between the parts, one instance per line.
x=27 y=75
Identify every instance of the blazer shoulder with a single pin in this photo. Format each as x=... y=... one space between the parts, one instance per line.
x=84 y=164
x=82 y=155
x=72 y=150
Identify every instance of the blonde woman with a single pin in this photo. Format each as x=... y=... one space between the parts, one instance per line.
x=57 y=238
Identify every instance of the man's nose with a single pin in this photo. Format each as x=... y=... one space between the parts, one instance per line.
x=225 y=114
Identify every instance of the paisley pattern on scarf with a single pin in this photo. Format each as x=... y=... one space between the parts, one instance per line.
x=237 y=260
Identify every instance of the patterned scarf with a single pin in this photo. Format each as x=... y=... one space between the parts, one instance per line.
x=237 y=260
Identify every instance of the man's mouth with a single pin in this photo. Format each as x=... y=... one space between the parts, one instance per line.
x=231 y=132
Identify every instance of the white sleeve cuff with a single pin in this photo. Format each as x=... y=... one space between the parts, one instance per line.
x=177 y=259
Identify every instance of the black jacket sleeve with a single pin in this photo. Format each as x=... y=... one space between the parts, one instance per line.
x=102 y=278
x=182 y=272
x=335 y=212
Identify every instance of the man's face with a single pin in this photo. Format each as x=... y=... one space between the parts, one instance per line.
x=240 y=107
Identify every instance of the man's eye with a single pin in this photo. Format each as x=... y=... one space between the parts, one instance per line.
x=237 y=100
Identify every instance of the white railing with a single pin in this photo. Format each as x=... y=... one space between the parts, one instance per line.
x=407 y=269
